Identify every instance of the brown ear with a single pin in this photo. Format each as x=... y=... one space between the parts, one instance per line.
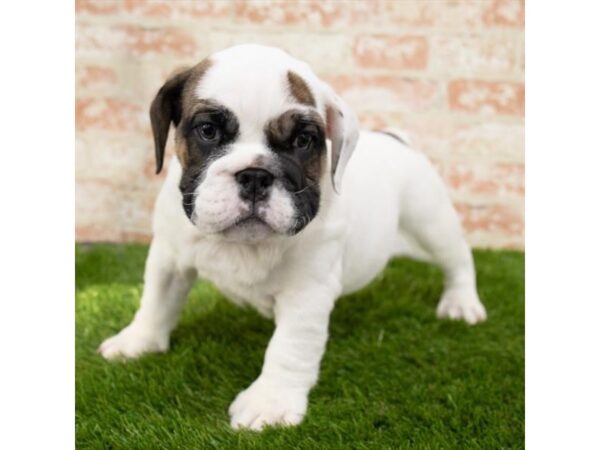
x=166 y=108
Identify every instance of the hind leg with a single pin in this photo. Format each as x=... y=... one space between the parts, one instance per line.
x=432 y=228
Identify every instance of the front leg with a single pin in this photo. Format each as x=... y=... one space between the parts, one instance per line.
x=165 y=291
x=291 y=368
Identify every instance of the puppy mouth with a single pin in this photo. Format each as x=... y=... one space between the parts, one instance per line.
x=248 y=228
x=248 y=220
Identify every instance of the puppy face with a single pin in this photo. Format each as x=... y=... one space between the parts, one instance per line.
x=248 y=188
x=251 y=129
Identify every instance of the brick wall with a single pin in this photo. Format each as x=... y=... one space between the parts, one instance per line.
x=449 y=72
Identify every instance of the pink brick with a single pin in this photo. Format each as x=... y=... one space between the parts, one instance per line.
x=121 y=161
x=322 y=13
x=411 y=13
x=505 y=13
x=149 y=8
x=97 y=7
x=99 y=233
x=384 y=92
x=108 y=212
x=330 y=58
x=170 y=41
x=463 y=62
x=480 y=96
x=441 y=14
x=170 y=9
x=94 y=76
x=504 y=141
x=483 y=178
x=474 y=54
x=132 y=40
x=455 y=15
x=108 y=114
x=443 y=137
x=391 y=52
x=494 y=218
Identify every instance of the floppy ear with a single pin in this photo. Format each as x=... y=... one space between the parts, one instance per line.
x=166 y=108
x=342 y=129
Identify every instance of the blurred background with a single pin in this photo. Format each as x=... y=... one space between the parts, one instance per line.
x=450 y=73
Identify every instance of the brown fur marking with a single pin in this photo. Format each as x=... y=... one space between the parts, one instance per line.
x=188 y=99
x=279 y=131
x=181 y=150
x=300 y=90
x=188 y=104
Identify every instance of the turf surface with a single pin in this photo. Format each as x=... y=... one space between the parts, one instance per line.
x=393 y=375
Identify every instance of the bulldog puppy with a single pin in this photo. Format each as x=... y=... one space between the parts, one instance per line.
x=276 y=197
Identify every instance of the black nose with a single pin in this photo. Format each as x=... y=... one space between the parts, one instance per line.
x=254 y=184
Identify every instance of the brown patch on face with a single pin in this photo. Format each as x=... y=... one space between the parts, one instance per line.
x=169 y=105
x=181 y=150
x=184 y=149
x=283 y=126
x=194 y=150
x=189 y=104
x=188 y=96
x=282 y=131
x=297 y=139
x=300 y=90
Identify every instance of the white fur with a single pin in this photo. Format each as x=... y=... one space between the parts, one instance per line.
x=391 y=203
x=217 y=197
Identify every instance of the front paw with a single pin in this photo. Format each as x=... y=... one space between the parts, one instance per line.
x=133 y=342
x=461 y=304
x=265 y=403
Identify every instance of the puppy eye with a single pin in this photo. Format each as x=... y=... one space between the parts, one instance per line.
x=303 y=141
x=208 y=132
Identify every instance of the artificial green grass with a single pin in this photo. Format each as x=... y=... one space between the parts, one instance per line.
x=393 y=375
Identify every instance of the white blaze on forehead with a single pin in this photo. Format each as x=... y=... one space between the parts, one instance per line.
x=242 y=156
x=251 y=80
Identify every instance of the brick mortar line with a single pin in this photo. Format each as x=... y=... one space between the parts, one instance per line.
x=469 y=158
x=440 y=111
x=440 y=104
x=431 y=113
x=356 y=70
x=516 y=35
x=494 y=241
x=456 y=116
x=484 y=201
x=431 y=74
x=521 y=56
x=392 y=30
x=235 y=25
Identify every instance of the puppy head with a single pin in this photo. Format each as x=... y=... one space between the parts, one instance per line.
x=252 y=125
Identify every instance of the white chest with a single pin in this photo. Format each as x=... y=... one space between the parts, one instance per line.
x=244 y=274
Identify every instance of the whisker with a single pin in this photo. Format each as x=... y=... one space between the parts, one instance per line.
x=309 y=183
x=192 y=201
x=301 y=190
